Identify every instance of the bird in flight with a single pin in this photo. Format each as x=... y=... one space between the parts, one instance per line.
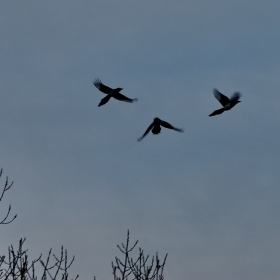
x=227 y=103
x=155 y=127
x=111 y=93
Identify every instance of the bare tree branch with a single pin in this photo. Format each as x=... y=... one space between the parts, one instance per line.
x=139 y=269
x=17 y=267
x=6 y=188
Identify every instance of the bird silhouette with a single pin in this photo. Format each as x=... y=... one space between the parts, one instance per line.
x=155 y=126
x=111 y=93
x=227 y=103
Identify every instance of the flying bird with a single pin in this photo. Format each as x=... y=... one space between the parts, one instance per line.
x=111 y=93
x=227 y=103
x=155 y=127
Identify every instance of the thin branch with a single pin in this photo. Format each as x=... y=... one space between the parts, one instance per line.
x=18 y=267
x=6 y=188
x=139 y=269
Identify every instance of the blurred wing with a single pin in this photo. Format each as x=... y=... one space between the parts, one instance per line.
x=168 y=125
x=236 y=96
x=121 y=97
x=220 y=97
x=104 y=100
x=146 y=132
x=217 y=112
x=179 y=129
x=102 y=87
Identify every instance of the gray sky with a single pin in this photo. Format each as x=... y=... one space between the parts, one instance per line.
x=209 y=197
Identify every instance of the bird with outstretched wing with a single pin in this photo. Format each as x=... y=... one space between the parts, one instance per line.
x=115 y=93
x=226 y=102
x=155 y=126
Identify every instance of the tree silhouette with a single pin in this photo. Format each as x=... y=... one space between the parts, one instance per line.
x=140 y=268
x=17 y=265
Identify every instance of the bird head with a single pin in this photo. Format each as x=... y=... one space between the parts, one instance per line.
x=118 y=89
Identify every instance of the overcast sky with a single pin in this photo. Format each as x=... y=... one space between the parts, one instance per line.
x=209 y=197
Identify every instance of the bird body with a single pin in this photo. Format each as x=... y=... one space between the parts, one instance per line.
x=115 y=93
x=155 y=126
x=227 y=103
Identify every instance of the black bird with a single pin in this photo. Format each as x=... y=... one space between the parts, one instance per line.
x=155 y=127
x=227 y=103
x=111 y=93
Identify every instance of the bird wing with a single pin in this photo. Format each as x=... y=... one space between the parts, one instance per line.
x=235 y=96
x=101 y=86
x=168 y=125
x=121 y=97
x=224 y=100
x=104 y=100
x=217 y=112
x=146 y=132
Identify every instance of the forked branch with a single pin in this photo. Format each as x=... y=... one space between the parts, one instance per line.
x=18 y=267
x=7 y=186
x=138 y=269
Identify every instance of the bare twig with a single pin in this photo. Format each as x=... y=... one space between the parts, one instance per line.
x=60 y=265
x=18 y=267
x=6 y=188
x=138 y=269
